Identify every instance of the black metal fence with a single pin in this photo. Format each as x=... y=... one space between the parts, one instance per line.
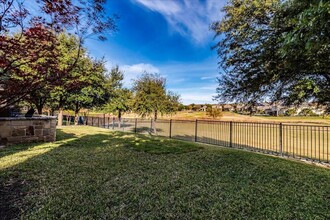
x=299 y=141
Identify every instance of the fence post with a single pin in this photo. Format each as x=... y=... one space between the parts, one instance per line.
x=231 y=134
x=170 y=128
x=92 y=121
x=103 y=120
x=151 y=126
x=98 y=121
x=135 y=129
x=281 y=139
x=113 y=123
x=196 y=130
x=86 y=122
x=108 y=122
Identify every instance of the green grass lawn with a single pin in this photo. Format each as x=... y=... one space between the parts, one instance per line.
x=93 y=173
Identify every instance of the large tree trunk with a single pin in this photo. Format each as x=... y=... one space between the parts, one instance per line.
x=39 y=108
x=60 y=117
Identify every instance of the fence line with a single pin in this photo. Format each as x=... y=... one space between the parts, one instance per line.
x=298 y=141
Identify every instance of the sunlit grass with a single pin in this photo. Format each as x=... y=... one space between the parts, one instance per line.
x=93 y=173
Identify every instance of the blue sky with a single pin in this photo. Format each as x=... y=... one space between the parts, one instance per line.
x=169 y=37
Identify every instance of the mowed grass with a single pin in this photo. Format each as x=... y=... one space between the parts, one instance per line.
x=312 y=142
x=93 y=173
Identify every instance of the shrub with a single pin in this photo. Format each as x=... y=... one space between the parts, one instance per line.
x=214 y=112
x=291 y=112
x=307 y=112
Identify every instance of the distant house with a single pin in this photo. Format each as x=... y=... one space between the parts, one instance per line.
x=228 y=108
x=316 y=109
x=203 y=108
x=217 y=106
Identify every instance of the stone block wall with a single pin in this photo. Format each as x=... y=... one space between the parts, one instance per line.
x=25 y=130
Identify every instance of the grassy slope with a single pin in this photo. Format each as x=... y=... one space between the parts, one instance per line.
x=94 y=173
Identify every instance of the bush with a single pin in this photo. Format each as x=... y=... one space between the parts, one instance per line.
x=307 y=112
x=214 y=112
x=291 y=112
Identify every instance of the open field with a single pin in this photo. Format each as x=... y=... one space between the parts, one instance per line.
x=299 y=141
x=93 y=173
x=231 y=116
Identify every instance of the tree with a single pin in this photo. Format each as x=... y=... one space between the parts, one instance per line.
x=120 y=99
x=291 y=112
x=91 y=92
x=28 y=38
x=214 y=112
x=274 y=50
x=208 y=107
x=151 y=98
x=28 y=62
x=120 y=102
x=172 y=104
x=307 y=112
x=83 y=83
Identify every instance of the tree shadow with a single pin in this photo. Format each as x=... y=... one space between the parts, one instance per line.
x=225 y=143
x=80 y=161
x=62 y=135
x=12 y=149
x=18 y=181
x=15 y=181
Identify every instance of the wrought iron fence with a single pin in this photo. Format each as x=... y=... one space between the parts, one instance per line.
x=298 y=141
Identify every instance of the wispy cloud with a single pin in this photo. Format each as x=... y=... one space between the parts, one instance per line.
x=182 y=78
x=213 y=88
x=133 y=71
x=190 y=18
x=209 y=77
x=197 y=98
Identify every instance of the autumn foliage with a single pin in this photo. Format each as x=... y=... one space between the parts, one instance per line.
x=30 y=56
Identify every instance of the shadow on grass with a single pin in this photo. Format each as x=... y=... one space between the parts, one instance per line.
x=82 y=172
x=12 y=149
x=14 y=185
x=62 y=135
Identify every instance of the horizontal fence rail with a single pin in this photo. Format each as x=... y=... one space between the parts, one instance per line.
x=298 y=141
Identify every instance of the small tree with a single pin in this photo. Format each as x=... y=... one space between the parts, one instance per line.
x=151 y=98
x=307 y=112
x=120 y=99
x=208 y=107
x=214 y=112
x=120 y=102
x=291 y=112
x=150 y=95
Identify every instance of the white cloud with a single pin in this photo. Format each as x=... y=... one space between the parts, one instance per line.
x=213 y=88
x=208 y=77
x=189 y=18
x=197 y=98
x=133 y=71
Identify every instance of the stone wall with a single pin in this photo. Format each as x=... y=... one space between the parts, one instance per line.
x=24 y=130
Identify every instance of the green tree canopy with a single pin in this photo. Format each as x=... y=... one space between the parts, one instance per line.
x=151 y=97
x=120 y=99
x=272 y=49
x=82 y=86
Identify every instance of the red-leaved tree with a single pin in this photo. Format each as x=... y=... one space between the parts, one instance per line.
x=28 y=41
